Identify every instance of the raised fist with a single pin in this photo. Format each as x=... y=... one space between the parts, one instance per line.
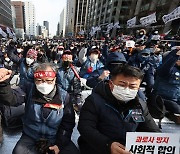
x=4 y=74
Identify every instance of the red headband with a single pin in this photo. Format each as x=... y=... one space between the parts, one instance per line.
x=41 y=74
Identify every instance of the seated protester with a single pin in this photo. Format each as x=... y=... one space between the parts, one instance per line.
x=98 y=75
x=41 y=56
x=144 y=62
x=49 y=116
x=26 y=65
x=14 y=55
x=167 y=84
x=8 y=63
x=60 y=50
x=91 y=64
x=68 y=80
x=111 y=110
x=157 y=57
x=129 y=49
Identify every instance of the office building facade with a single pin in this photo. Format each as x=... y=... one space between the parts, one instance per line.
x=5 y=14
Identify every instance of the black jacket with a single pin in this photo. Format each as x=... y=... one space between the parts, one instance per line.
x=7 y=96
x=103 y=120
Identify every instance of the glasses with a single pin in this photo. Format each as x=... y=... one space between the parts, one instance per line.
x=48 y=81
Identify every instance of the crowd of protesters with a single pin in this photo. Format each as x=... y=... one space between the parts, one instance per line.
x=133 y=80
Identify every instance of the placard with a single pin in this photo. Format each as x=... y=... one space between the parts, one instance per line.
x=152 y=143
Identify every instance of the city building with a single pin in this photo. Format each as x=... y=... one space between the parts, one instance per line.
x=103 y=12
x=19 y=18
x=29 y=10
x=5 y=14
x=62 y=23
x=161 y=7
x=44 y=32
x=81 y=15
x=46 y=24
x=13 y=16
x=38 y=30
x=58 y=30
x=70 y=18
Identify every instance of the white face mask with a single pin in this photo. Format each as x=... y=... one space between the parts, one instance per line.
x=19 y=50
x=71 y=48
x=93 y=57
x=60 y=52
x=124 y=94
x=45 y=88
x=7 y=59
x=29 y=61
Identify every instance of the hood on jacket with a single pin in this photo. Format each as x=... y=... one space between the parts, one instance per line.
x=116 y=57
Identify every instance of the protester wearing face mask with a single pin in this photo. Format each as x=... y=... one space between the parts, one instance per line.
x=91 y=64
x=58 y=56
x=41 y=56
x=26 y=66
x=19 y=51
x=49 y=117
x=113 y=109
x=69 y=81
x=167 y=84
x=7 y=62
x=143 y=60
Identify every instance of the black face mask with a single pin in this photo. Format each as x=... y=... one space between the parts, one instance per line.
x=66 y=64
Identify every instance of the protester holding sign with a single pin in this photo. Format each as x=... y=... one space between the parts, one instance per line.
x=111 y=110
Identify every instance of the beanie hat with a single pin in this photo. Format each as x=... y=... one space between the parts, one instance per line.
x=32 y=53
x=94 y=51
x=116 y=57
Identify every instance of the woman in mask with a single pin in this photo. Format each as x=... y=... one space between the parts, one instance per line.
x=91 y=64
x=26 y=66
x=113 y=109
x=49 y=117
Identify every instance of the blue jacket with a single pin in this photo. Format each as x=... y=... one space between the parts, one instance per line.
x=68 y=81
x=146 y=66
x=58 y=124
x=35 y=125
x=167 y=83
x=88 y=67
x=24 y=73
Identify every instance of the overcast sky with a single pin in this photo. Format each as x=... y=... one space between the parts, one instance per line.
x=48 y=10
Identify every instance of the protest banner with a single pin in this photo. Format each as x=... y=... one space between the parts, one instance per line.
x=152 y=143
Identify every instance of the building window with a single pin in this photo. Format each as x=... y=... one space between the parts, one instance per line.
x=114 y=12
x=145 y=7
x=116 y=4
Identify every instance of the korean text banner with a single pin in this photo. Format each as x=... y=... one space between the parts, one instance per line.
x=131 y=22
x=175 y=14
x=150 y=19
x=154 y=143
